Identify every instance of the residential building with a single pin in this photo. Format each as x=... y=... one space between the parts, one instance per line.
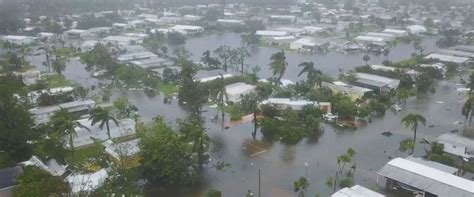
x=52 y=166
x=19 y=40
x=426 y=180
x=85 y=137
x=86 y=182
x=396 y=32
x=265 y=33
x=356 y=191
x=7 y=180
x=457 y=145
x=354 y=92
x=121 y=41
x=45 y=36
x=308 y=44
x=151 y=63
x=137 y=56
x=124 y=152
x=386 y=36
x=416 y=29
x=187 y=29
x=371 y=40
x=375 y=82
x=77 y=33
x=88 y=45
x=235 y=91
x=448 y=59
x=81 y=107
x=457 y=53
x=210 y=75
x=297 y=105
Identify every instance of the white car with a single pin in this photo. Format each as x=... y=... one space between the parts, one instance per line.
x=329 y=117
x=397 y=107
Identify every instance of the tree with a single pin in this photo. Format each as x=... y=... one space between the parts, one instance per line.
x=16 y=123
x=37 y=182
x=59 y=65
x=417 y=45
x=386 y=52
x=102 y=116
x=366 y=59
x=209 y=61
x=238 y=57
x=192 y=93
x=124 y=107
x=278 y=65
x=176 y=38
x=313 y=75
x=224 y=53
x=413 y=120
x=470 y=83
x=64 y=125
x=167 y=156
x=194 y=133
x=213 y=193
x=467 y=109
x=300 y=186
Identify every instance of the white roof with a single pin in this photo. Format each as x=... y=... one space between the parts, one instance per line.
x=394 y=31
x=89 y=43
x=456 y=140
x=84 y=137
x=369 y=39
x=290 y=29
x=416 y=28
x=307 y=41
x=433 y=174
x=457 y=53
x=137 y=56
x=239 y=88
x=288 y=101
x=120 y=39
x=382 y=35
x=377 y=80
x=313 y=28
x=186 y=27
x=230 y=21
x=447 y=58
x=52 y=166
x=356 y=191
x=122 y=149
x=76 y=31
x=86 y=182
x=284 y=38
x=69 y=106
x=283 y=16
x=436 y=165
x=17 y=37
x=271 y=33
x=206 y=79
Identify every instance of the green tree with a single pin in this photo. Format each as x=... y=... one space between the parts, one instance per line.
x=36 y=182
x=209 y=61
x=124 y=107
x=16 y=123
x=470 y=83
x=213 y=193
x=238 y=57
x=413 y=120
x=300 y=186
x=366 y=59
x=467 y=109
x=194 y=133
x=417 y=45
x=103 y=116
x=224 y=53
x=64 y=125
x=167 y=156
x=313 y=75
x=59 y=65
x=278 y=65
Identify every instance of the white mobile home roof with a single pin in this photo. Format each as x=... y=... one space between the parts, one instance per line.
x=457 y=140
x=86 y=182
x=271 y=33
x=137 y=56
x=395 y=31
x=435 y=165
x=313 y=29
x=356 y=191
x=230 y=21
x=117 y=150
x=84 y=137
x=465 y=48
x=457 y=53
x=427 y=178
x=369 y=39
x=381 y=35
x=376 y=80
x=447 y=58
x=186 y=27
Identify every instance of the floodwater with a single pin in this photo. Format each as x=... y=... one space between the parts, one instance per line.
x=281 y=164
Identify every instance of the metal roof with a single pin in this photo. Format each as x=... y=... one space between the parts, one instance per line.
x=427 y=178
x=457 y=140
x=376 y=80
x=435 y=165
x=356 y=191
x=447 y=58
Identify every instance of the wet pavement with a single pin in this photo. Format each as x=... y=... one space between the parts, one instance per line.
x=280 y=164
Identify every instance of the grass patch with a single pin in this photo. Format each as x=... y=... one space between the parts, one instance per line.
x=168 y=89
x=408 y=63
x=56 y=80
x=89 y=159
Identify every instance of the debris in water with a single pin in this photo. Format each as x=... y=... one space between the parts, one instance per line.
x=387 y=133
x=454 y=131
x=431 y=126
x=457 y=122
x=439 y=102
x=226 y=127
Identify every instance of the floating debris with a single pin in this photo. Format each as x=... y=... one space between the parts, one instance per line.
x=226 y=127
x=455 y=131
x=439 y=102
x=457 y=122
x=431 y=126
x=387 y=133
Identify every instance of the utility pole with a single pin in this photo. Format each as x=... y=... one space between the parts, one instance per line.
x=259 y=193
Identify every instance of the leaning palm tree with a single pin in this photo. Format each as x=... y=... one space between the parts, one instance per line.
x=278 y=65
x=222 y=96
x=313 y=75
x=467 y=109
x=104 y=116
x=64 y=125
x=470 y=83
x=413 y=120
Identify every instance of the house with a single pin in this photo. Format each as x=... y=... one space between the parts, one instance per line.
x=29 y=77
x=121 y=41
x=291 y=30
x=313 y=29
x=19 y=40
x=230 y=22
x=283 y=19
x=45 y=36
x=88 y=45
x=136 y=56
x=128 y=49
x=237 y=90
x=457 y=145
x=356 y=191
x=387 y=37
x=120 y=26
x=457 y=53
x=52 y=166
x=408 y=71
x=448 y=59
x=371 y=40
x=210 y=75
x=192 y=17
x=433 y=164
x=354 y=92
x=396 y=32
x=465 y=48
x=124 y=152
x=86 y=182
x=7 y=180
x=85 y=138
x=151 y=63
x=99 y=30
x=439 y=66
x=280 y=40
x=77 y=33
x=297 y=105
x=416 y=29
x=81 y=107
x=187 y=29
x=375 y=82
x=34 y=95
x=264 y=33
x=426 y=180
x=308 y=44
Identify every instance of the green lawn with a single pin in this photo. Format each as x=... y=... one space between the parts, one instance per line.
x=55 y=80
x=86 y=159
x=168 y=89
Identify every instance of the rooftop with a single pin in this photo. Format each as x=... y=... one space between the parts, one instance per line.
x=435 y=165
x=271 y=33
x=356 y=191
x=69 y=105
x=427 y=178
x=447 y=58
x=376 y=80
x=84 y=137
x=122 y=149
x=8 y=175
x=238 y=88
x=457 y=140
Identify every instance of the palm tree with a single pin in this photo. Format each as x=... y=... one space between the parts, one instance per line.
x=386 y=52
x=278 y=65
x=413 y=120
x=222 y=96
x=467 y=109
x=224 y=53
x=301 y=185
x=313 y=75
x=46 y=52
x=470 y=84
x=59 y=65
x=103 y=116
x=64 y=125
x=205 y=58
x=366 y=59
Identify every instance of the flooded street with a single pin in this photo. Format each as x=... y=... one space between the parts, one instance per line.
x=280 y=164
